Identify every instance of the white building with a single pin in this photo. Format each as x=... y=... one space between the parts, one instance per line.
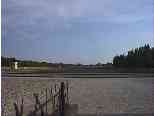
x=16 y=65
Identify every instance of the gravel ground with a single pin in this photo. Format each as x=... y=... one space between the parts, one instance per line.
x=111 y=95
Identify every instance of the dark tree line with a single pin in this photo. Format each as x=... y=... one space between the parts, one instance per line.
x=9 y=62
x=139 y=57
x=5 y=61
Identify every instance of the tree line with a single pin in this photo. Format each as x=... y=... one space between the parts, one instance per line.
x=9 y=62
x=139 y=57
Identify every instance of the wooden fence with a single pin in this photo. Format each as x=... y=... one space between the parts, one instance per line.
x=53 y=103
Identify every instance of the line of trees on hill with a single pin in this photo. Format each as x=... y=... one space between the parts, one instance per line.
x=139 y=57
x=9 y=62
x=5 y=61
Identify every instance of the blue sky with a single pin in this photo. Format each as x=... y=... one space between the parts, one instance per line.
x=75 y=31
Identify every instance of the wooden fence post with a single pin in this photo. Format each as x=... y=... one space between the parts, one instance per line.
x=62 y=99
x=46 y=101
x=37 y=102
x=16 y=109
x=21 y=107
x=19 y=112
x=67 y=93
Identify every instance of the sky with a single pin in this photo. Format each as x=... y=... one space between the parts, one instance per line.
x=75 y=31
